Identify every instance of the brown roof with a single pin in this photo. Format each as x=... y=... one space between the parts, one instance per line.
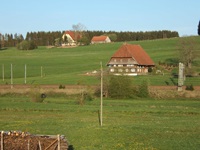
x=99 y=38
x=133 y=51
x=73 y=35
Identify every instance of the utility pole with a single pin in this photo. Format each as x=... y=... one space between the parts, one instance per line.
x=101 y=115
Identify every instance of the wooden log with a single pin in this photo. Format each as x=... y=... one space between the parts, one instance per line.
x=39 y=145
x=28 y=144
x=1 y=140
x=51 y=144
x=58 y=142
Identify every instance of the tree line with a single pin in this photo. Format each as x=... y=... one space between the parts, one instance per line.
x=42 y=38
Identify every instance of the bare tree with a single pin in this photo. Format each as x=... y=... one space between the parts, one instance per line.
x=78 y=29
x=198 y=30
x=187 y=51
x=2 y=39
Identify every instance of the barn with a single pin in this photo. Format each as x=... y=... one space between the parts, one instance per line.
x=100 y=39
x=130 y=60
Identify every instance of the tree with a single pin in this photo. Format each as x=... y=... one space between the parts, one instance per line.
x=26 y=45
x=199 y=28
x=187 y=51
x=120 y=87
x=2 y=40
x=78 y=29
x=113 y=37
x=57 y=42
x=143 y=89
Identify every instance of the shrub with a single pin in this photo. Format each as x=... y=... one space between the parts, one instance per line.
x=26 y=45
x=189 y=87
x=143 y=89
x=36 y=95
x=120 y=87
x=150 y=70
x=61 y=86
x=83 y=97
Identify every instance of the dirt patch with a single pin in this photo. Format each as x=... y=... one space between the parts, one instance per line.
x=161 y=92
x=155 y=91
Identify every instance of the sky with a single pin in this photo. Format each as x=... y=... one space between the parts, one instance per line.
x=22 y=16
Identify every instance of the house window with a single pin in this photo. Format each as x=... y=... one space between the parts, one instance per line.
x=112 y=70
x=133 y=70
x=127 y=70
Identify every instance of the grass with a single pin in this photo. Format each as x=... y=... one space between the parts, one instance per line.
x=69 y=65
x=127 y=124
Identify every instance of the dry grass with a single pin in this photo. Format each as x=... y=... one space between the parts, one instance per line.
x=171 y=93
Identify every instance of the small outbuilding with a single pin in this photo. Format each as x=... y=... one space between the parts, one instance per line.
x=100 y=39
x=130 y=60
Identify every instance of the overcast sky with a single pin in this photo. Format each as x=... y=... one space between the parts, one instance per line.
x=22 y=16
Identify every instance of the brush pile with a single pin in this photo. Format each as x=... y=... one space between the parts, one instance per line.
x=17 y=140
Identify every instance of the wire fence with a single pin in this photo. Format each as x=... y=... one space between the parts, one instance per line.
x=26 y=72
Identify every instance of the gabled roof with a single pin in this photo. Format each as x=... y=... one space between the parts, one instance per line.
x=74 y=36
x=99 y=38
x=133 y=51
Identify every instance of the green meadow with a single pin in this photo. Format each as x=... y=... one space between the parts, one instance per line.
x=71 y=65
x=127 y=124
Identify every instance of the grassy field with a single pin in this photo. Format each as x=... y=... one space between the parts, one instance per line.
x=127 y=124
x=70 y=65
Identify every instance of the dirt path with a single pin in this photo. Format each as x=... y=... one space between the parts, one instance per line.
x=55 y=86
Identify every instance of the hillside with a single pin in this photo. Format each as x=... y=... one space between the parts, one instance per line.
x=74 y=65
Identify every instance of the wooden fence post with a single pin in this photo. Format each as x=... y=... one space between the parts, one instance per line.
x=3 y=72
x=25 y=74
x=11 y=76
x=1 y=140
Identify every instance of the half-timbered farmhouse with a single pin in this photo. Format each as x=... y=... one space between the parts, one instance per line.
x=130 y=60
x=100 y=39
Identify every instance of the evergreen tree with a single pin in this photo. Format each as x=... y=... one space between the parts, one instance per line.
x=199 y=28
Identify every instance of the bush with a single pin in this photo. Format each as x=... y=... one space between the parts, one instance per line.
x=83 y=97
x=61 y=86
x=26 y=45
x=35 y=94
x=143 y=89
x=120 y=87
x=189 y=87
x=150 y=70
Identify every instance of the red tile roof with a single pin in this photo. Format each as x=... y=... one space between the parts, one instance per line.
x=73 y=35
x=99 y=38
x=133 y=51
